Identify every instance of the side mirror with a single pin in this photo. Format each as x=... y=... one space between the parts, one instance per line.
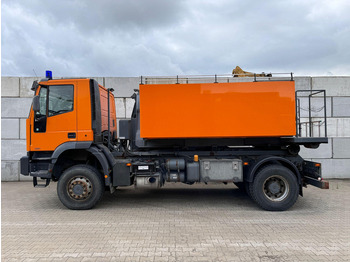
x=35 y=86
x=36 y=104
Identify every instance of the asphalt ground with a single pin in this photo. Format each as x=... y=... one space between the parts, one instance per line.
x=175 y=223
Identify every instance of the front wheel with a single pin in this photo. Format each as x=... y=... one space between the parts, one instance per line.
x=80 y=187
x=275 y=188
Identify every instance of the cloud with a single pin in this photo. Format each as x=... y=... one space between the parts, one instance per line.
x=157 y=37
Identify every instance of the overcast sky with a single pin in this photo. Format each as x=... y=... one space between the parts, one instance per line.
x=160 y=37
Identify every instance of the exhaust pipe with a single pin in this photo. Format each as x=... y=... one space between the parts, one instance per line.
x=152 y=180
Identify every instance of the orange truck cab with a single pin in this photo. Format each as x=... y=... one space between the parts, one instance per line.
x=246 y=133
x=67 y=114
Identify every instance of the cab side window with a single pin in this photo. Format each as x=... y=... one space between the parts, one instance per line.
x=61 y=99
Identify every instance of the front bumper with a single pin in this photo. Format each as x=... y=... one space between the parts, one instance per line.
x=35 y=169
x=27 y=168
x=25 y=165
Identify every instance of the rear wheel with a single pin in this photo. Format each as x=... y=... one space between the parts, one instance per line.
x=275 y=188
x=80 y=187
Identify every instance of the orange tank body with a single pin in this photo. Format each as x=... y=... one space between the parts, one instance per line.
x=218 y=110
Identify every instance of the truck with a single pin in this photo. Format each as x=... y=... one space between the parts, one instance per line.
x=183 y=129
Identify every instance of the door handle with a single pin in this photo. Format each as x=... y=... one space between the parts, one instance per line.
x=72 y=135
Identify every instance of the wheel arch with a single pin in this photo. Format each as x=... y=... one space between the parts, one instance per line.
x=82 y=151
x=272 y=160
x=68 y=146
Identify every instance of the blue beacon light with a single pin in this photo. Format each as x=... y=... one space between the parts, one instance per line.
x=48 y=74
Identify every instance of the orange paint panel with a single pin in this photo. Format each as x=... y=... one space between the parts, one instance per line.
x=104 y=111
x=84 y=130
x=28 y=129
x=57 y=129
x=85 y=135
x=222 y=110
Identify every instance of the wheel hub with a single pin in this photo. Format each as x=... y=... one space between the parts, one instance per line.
x=79 y=188
x=276 y=188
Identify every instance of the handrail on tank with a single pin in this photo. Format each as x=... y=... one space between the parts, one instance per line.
x=222 y=78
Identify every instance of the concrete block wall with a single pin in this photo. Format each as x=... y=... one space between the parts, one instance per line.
x=16 y=98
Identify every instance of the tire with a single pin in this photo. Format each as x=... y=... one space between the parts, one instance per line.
x=247 y=188
x=275 y=188
x=80 y=187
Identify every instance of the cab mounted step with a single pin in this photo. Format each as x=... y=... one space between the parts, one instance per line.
x=35 y=182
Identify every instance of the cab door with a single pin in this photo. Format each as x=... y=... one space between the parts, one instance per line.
x=56 y=121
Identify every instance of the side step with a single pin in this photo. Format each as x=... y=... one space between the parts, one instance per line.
x=35 y=182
